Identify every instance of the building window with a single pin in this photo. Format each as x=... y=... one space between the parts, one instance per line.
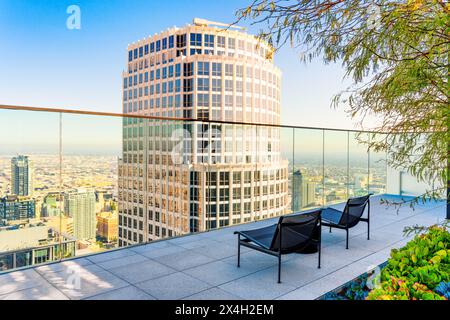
x=224 y=178
x=229 y=70
x=216 y=103
x=216 y=69
x=221 y=42
x=217 y=85
x=196 y=51
x=188 y=69
x=239 y=71
x=187 y=101
x=231 y=43
x=203 y=84
x=196 y=39
x=181 y=40
x=203 y=100
x=188 y=85
x=209 y=40
x=203 y=68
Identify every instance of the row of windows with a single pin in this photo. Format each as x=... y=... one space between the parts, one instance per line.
x=156 y=46
x=165 y=106
x=203 y=69
x=204 y=84
x=162 y=73
x=195 y=40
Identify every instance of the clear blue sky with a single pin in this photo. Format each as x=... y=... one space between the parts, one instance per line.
x=42 y=63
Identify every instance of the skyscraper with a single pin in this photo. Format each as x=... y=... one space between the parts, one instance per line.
x=303 y=192
x=21 y=176
x=80 y=205
x=297 y=191
x=308 y=194
x=189 y=176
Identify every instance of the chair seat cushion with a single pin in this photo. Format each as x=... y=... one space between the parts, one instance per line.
x=331 y=215
x=262 y=237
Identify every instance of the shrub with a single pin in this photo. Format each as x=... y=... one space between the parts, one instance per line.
x=418 y=269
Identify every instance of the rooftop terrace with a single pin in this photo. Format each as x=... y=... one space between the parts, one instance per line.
x=203 y=266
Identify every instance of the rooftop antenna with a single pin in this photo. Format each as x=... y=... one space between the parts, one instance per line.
x=204 y=22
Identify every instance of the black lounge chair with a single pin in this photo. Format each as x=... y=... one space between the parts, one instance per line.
x=352 y=214
x=291 y=234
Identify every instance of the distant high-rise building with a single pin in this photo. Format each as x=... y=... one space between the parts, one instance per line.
x=297 y=183
x=51 y=205
x=177 y=177
x=308 y=194
x=17 y=208
x=107 y=225
x=80 y=205
x=21 y=176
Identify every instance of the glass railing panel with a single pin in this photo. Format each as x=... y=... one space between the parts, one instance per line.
x=336 y=166
x=286 y=164
x=377 y=166
x=91 y=153
x=359 y=175
x=155 y=181
x=29 y=188
x=307 y=181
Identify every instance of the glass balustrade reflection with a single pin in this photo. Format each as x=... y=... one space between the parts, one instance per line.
x=377 y=166
x=286 y=147
x=336 y=166
x=358 y=160
x=91 y=149
x=308 y=169
x=30 y=194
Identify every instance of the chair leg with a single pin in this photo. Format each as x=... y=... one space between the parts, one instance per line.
x=320 y=242
x=320 y=249
x=346 y=242
x=368 y=219
x=239 y=251
x=279 y=268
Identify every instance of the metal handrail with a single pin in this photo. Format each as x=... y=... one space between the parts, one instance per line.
x=124 y=115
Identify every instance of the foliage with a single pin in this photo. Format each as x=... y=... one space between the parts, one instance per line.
x=396 y=53
x=416 y=229
x=396 y=289
x=414 y=271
